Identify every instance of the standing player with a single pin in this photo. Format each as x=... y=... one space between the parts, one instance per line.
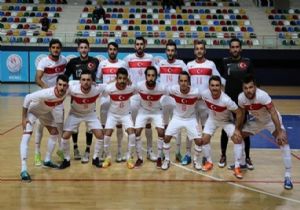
x=169 y=71
x=234 y=69
x=119 y=113
x=184 y=116
x=137 y=63
x=220 y=108
x=200 y=69
x=83 y=109
x=107 y=72
x=39 y=105
x=260 y=105
x=150 y=110
x=47 y=71
x=75 y=67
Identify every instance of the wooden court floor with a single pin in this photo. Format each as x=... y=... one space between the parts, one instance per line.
x=84 y=187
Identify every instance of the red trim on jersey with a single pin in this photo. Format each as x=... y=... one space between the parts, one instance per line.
x=109 y=70
x=258 y=106
x=215 y=107
x=89 y=100
x=170 y=70
x=53 y=103
x=188 y=101
x=139 y=64
x=200 y=71
x=150 y=97
x=55 y=69
x=120 y=97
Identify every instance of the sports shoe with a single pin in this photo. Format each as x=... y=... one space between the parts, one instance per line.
x=49 y=164
x=197 y=165
x=249 y=164
x=106 y=163
x=119 y=158
x=85 y=158
x=151 y=156
x=130 y=163
x=178 y=157
x=37 y=159
x=165 y=165
x=138 y=163
x=158 y=163
x=237 y=173
x=65 y=164
x=222 y=163
x=288 y=185
x=186 y=160
x=25 y=177
x=204 y=160
x=207 y=166
x=232 y=166
x=96 y=162
x=77 y=155
x=60 y=154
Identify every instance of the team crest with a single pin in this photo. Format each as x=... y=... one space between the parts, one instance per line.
x=243 y=65
x=91 y=66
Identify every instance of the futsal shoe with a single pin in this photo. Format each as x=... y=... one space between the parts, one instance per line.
x=65 y=164
x=25 y=177
x=237 y=173
x=207 y=166
x=165 y=165
x=49 y=164
x=197 y=164
x=151 y=156
x=222 y=163
x=242 y=167
x=159 y=162
x=37 y=159
x=106 y=163
x=96 y=162
x=178 y=157
x=138 y=163
x=130 y=163
x=186 y=160
x=77 y=155
x=85 y=158
x=288 y=185
x=249 y=164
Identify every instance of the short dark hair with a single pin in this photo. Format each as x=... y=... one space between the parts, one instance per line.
x=235 y=40
x=171 y=43
x=85 y=41
x=63 y=78
x=215 y=78
x=140 y=38
x=113 y=44
x=55 y=41
x=186 y=74
x=122 y=71
x=248 y=78
x=197 y=42
x=151 y=68
x=86 y=72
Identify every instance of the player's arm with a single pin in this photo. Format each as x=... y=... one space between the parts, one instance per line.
x=24 y=117
x=238 y=123
x=69 y=68
x=38 y=79
x=279 y=132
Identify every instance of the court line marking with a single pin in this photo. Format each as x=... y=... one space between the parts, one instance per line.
x=10 y=129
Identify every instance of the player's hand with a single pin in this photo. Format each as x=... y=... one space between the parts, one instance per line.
x=237 y=136
x=281 y=138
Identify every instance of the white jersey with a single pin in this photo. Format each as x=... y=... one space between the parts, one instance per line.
x=42 y=101
x=84 y=103
x=258 y=106
x=169 y=72
x=150 y=98
x=185 y=103
x=137 y=65
x=219 y=109
x=51 y=69
x=107 y=70
x=119 y=99
x=201 y=72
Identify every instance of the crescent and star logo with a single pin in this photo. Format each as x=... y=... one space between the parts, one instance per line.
x=169 y=70
x=184 y=101
x=149 y=98
x=121 y=98
x=212 y=107
x=85 y=101
x=243 y=65
x=91 y=66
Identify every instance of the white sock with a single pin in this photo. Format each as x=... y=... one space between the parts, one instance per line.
x=66 y=148
x=160 y=143
x=238 y=150
x=138 y=146
x=207 y=152
x=178 y=142
x=131 y=145
x=119 y=139
x=189 y=146
x=24 y=151
x=97 y=148
x=38 y=136
x=166 y=149
x=197 y=150
x=51 y=146
x=287 y=160
x=148 y=134
x=107 y=146
x=60 y=127
x=243 y=157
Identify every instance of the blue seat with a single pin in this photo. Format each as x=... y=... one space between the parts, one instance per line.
x=132 y=10
x=232 y=17
x=10 y=19
x=179 y=22
x=52 y=9
x=195 y=35
x=105 y=27
x=149 y=28
x=163 y=34
x=281 y=35
x=125 y=22
x=98 y=41
x=118 y=40
x=250 y=29
x=46 y=40
x=12 y=39
x=22 y=33
x=38 y=14
x=1 y=13
x=17 y=8
x=201 y=11
x=138 y=33
x=205 y=28
x=82 y=21
x=114 y=15
x=177 y=41
x=167 y=16
x=216 y=22
x=191 y=17
x=86 y=34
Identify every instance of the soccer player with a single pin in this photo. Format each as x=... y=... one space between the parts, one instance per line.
x=234 y=68
x=119 y=113
x=107 y=72
x=83 y=104
x=48 y=69
x=150 y=110
x=39 y=105
x=169 y=71
x=75 y=67
x=200 y=69
x=221 y=108
x=184 y=116
x=137 y=63
x=260 y=106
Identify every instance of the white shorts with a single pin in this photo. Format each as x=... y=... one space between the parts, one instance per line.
x=45 y=119
x=114 y=119
x=144 y=117
x=73 y=121
x=211 y=126
x=104 y=106
x=202 y=112
x=135 y=101
x=190 y=124
x=58 y=114
x=168 y=104
x=254 y=126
